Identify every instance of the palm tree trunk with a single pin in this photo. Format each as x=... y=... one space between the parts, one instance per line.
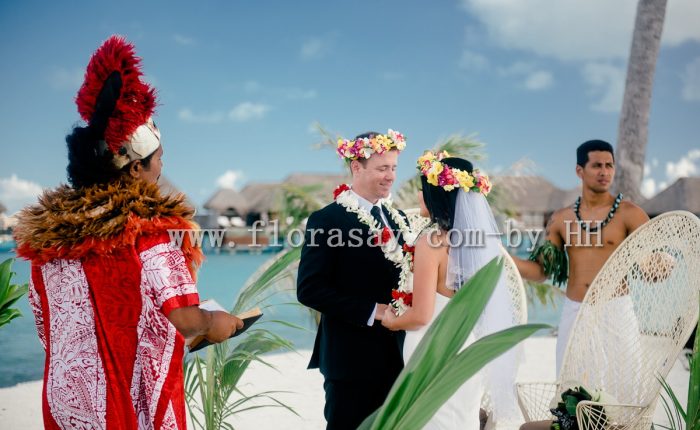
x=634 y=120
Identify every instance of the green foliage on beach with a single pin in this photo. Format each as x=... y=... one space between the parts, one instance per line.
x=438 y=368
x=9 y=293
x=678 y=417
x=212 y=377
x=298 y=203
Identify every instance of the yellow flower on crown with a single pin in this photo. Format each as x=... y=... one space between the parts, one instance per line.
x=434 y=172
x=464 y=179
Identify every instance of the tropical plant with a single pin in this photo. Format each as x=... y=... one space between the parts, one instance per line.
x=9 y=293
x=298 y=202
x=543 y=293
x=634 y=119
x=678 y=417
x=438 y=368
x=211 y=381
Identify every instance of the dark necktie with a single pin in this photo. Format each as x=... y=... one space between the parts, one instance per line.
x=376 y=214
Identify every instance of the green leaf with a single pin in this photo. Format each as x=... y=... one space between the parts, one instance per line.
x=8 y=316
x=15 y=292
x=5 y=273
x=465 y=365
x=416 y=394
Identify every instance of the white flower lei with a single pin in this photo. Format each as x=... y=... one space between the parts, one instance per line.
x=392 y=250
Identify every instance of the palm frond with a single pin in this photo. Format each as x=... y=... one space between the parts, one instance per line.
x=259 y=283
x=211 y=382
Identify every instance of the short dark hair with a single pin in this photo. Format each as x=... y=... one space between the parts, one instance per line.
x=592 y=145
x=440 y=203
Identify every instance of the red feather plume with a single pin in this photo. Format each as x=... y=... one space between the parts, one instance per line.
x=137 y=99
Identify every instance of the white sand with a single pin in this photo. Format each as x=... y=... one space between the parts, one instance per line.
x=20 y=406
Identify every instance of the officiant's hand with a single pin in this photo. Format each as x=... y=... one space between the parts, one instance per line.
x=222 y=326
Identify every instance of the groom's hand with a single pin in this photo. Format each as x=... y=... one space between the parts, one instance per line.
x=381 y=309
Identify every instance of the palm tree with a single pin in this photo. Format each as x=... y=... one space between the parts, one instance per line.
x=634 y=120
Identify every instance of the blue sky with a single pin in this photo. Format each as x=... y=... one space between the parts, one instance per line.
x=241 y=83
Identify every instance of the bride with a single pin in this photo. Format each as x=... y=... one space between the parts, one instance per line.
x=462 y=238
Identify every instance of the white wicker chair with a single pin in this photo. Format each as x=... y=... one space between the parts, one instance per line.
x=637 y=315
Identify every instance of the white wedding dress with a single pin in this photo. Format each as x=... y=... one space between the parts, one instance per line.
x=461 y=411
x=496 y=379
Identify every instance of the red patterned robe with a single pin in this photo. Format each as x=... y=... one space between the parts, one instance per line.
x=100 y=299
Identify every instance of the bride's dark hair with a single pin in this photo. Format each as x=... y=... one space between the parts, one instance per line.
x=440 y=203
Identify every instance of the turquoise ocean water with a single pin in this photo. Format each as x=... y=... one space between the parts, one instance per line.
x=220 y=278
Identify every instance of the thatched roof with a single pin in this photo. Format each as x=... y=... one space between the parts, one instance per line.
x=225 y=200
x=533 y=194
x=268 y=197
x=684 y=194
x=263 y=197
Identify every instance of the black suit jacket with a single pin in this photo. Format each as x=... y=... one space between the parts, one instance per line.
x=344 y=283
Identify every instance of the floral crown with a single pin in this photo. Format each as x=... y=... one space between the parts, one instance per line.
x=440 y=174
x=364 y=147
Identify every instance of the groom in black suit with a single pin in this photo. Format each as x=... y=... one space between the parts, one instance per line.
x=349 y=282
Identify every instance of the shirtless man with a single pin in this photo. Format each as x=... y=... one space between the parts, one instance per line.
x=607 y=221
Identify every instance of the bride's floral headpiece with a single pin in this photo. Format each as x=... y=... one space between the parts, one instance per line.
x=440 y=174
x=364 y=147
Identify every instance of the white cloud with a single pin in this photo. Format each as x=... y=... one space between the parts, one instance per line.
x=562 y=29
x=688 y=165
x=606 y=82
x=648 y=187
x=475 y=61
x=229 y=179
x=539 y=80
x=200 y=118
x=313 y=48
x=681 y=22
x=61 y=78
x=184 y=40
x=15 y=193
x=535 y=79
x=517 y=68
x=247 y=111
x=577 y=30
x=242 y=112
x=691 y=80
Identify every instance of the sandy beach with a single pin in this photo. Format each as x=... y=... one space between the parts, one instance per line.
x=20 y=406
